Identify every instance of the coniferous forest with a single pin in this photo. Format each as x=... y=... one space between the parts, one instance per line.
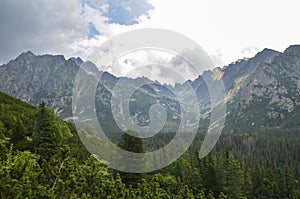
x=42 y=156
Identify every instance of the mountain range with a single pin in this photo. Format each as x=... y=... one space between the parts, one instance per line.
x=262 y=92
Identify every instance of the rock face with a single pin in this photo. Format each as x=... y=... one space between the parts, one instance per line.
x=45 y=78
x=269 y=95
x=261 y=92
x=49 y=78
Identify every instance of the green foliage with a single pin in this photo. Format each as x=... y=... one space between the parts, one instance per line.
x=18 y=133
x=133 y=144
x=2 y=130
x=49 y=134
x=41 y=156
x=19 y=174
x=233 y=179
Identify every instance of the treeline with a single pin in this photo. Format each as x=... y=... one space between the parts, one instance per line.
x=42 y=157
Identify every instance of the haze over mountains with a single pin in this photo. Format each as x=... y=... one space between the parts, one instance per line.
x=261 y=92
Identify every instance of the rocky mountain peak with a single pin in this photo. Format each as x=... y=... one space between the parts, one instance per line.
x=265 y=55
x=77 y=60
x=293 y=50
x=25 y=57
x=260 y=90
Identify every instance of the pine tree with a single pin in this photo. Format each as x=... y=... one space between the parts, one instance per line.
x=210 y=195
x=233 y=179
x=2 y=130
x=133 y=144
x=47 y=138
x=210 y=175
x=18 y=137
x=222 y=196
x=247 y=189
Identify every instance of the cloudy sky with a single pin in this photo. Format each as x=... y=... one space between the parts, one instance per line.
x=226 y=30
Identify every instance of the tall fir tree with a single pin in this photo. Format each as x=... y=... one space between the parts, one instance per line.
x=234 y=180
x=132 y=144
x=18 y=137
x=47 y=138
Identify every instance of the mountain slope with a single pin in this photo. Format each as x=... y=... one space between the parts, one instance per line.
x=269 y=95
x=18 y=124
x=45 y=78
x=51 y=79
x=261 y=92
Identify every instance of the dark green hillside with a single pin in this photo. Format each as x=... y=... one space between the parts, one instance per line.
x=16 y=120
x=19 y=125
x=42 y=156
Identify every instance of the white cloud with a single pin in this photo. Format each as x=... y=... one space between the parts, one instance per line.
x=225 y=29
x=44 y=26
x=60 y=27
x=96 y=17
x=95 y=11
x=157 y=65
x=230 y=26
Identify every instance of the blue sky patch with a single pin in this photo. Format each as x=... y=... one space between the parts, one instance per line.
x=127 y=12
x=120 y=11
x=92 y=31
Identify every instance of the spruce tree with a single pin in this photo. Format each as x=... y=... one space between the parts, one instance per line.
x=18 y=137
x=234 y=181
x=47 y=138
x=132 y=144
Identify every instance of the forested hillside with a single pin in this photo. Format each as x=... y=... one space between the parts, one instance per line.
x=41 y=156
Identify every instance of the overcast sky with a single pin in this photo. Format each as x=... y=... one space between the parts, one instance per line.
x=226 y=30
